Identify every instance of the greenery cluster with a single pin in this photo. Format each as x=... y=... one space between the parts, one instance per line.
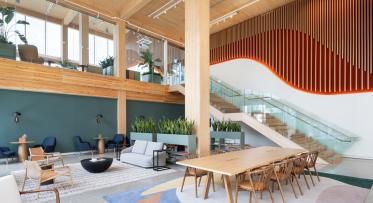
x=6 y=28
x=179 y=126
x=66 y=64
x=109 y=61
x=147 y=57
x=143 y=125
x=226 y=126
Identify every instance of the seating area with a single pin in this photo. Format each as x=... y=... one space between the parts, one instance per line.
x=173 y=101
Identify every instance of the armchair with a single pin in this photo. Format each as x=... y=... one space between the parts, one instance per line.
x=38 y=154
x=116 y=142
x=9 y=190
x=81 y=145
x=49 y=144
x=6 y=153
x=29 y=53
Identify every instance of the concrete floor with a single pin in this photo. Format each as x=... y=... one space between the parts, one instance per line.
x=349 y=167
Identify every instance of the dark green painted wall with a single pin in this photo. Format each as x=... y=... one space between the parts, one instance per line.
x=65 y=116
x=152 y=110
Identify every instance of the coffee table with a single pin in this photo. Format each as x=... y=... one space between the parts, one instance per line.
x=98 y=166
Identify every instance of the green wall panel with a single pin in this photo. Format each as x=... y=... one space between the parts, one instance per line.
x=65 y=116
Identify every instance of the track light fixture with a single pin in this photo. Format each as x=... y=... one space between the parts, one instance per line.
x=163 y=9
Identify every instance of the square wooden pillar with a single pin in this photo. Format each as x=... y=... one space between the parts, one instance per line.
x=197 y=92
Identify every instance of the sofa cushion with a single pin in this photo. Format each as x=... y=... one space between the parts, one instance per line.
x=153 y=146
x=139 y=147
x=137 y=159
x=9 y=190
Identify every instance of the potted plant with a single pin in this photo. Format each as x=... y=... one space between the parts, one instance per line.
x=148 y=61
x=177 y=132
x=107 y=65
x=7 y=48
x=143 y=129
x=66 y=64
x=227 y=130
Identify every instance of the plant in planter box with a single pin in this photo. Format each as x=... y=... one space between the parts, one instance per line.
x=228 y=130
x=143 y=129
x=148 y=61
x=107 y=65
x=7 y=48
x=177 y=132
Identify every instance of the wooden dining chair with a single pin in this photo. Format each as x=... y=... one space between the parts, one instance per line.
x=311 y=163
x=35 y=172
x=282 y=173
x=196 y=173
x=257 y=180
x=299 y=165
x=38 y=154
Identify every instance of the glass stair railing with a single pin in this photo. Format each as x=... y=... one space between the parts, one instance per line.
x=306 y=130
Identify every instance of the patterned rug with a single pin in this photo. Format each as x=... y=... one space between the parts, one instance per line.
x=117 y=174
x=326 y=191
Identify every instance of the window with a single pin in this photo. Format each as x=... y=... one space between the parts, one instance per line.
x=35 y=33
x=53 y=39
x=99 y=49
x=73 y=44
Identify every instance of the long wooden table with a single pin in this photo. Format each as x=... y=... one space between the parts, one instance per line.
x=233 y=163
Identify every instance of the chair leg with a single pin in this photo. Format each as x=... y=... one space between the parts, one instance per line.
x=182 y=184
x=236 y=199
x=270 y=194
x=300 y=189
x=282 y=193
x=195 y=185
x=292 y=187
x=308 y=186
x=251 y=196
x=213 y=182
x=261 y=194
x=309 y=173
x=23 y=185
x=256 y=199
x=199 y=182
x=317 y=174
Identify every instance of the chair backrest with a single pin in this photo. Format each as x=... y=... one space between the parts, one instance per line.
x=284 y=167
x=312 y=158
x=49 y=144
x=300 y=161
x=33 y=169
x=36 y=153
x=4 y=149
x=118 y=138
x=261 y=175
x=28 y=52
x=9 y=190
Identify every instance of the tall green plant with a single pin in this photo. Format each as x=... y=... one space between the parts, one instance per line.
x=143 y=125
x=107 y=62
x=147 y=57
x=179 y=126
x=226 y=126
x=7 y=15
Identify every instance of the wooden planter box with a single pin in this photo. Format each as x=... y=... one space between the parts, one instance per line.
x=8 y=51
x=143 y=136
x=229 y=135
x=190 y=141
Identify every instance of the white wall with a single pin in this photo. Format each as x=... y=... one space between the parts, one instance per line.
x=352 y=112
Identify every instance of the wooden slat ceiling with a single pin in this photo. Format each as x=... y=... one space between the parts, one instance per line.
x=171 y=24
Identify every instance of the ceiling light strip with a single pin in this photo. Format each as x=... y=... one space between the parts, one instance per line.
x=167 y=9
x=159 y=10
x=232 y=13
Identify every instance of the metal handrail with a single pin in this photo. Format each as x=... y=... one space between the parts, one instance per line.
x=264 y=100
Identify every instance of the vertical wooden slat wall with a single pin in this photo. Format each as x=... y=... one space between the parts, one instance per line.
x=318 y=46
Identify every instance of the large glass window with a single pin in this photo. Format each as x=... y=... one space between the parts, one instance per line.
x=73 y=44
x=35 y=33
x=99 y=48
x=53 y=39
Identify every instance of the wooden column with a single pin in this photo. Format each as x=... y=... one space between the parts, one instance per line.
x=197 y=94
x=120 y=71
x=120 y=49
x=64 y=41
x=83 y=39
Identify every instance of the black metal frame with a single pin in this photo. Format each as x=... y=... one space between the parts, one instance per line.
x=157 y=167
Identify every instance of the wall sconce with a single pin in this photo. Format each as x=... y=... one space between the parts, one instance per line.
x=99 y=117
x=17 y=117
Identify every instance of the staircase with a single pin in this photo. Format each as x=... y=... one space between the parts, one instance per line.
x=277 y=121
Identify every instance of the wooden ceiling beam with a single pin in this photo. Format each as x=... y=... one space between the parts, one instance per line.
x=131 y=7
x=69 y=17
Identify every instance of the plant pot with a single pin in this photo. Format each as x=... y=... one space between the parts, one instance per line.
x=108 y=71
x=190 y=141
x=8 y=51
x=143 y=136
x=229 y=135
x=155 y=78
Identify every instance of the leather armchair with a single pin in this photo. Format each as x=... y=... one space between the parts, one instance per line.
x=48 y=145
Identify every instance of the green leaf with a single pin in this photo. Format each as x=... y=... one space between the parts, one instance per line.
x=9 y=17
x=22 y=22
x=21 y=37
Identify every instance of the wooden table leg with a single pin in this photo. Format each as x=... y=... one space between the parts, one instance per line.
x=208 y=183
x=22 y=152
x=101 y=146
x=228 y=188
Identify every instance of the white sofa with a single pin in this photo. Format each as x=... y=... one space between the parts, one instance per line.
x=141 y=154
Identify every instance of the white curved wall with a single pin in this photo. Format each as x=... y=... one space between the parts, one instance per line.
x=352 y=112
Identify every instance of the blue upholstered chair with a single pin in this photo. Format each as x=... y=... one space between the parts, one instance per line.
x=6 y=153
x=48 y=145
x=116 y=142
x=81 y=145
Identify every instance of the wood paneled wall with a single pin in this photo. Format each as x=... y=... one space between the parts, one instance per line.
x=318 y=46
x=16 y=75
